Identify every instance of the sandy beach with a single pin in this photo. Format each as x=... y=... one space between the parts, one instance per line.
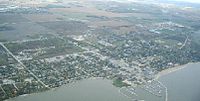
x=171 y=70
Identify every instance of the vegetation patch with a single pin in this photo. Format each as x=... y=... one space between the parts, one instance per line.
x=118 y=82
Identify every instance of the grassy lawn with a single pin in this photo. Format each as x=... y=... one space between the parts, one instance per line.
x=118 y=83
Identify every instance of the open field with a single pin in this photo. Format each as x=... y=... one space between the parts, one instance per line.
x=91 y=11
x=54 y=42
x=43 y=17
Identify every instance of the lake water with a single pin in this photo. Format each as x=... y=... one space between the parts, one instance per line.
x=85 y=90
x=183 y=85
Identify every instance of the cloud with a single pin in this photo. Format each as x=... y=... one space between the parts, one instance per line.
x=193 y=1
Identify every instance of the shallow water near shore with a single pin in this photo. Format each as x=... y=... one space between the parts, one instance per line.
x=182 y=85
x=84 y=90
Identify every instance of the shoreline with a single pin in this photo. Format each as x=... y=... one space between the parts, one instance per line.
x=172 y=70
x=157 y=76
x=54 y=89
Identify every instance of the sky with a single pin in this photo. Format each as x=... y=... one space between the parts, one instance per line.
x=194 y=1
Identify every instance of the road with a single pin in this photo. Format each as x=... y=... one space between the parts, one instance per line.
x=9 y=52
x=3 y=90
x=184 y=43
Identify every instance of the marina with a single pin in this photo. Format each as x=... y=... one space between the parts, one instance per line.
x=169 y=87
x=99 y=50
x=183 y=85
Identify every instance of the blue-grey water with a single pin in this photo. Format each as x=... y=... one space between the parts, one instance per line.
x=85 y=90
x=183 y=85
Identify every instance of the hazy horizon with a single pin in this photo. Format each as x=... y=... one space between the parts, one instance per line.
x=193 y=1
